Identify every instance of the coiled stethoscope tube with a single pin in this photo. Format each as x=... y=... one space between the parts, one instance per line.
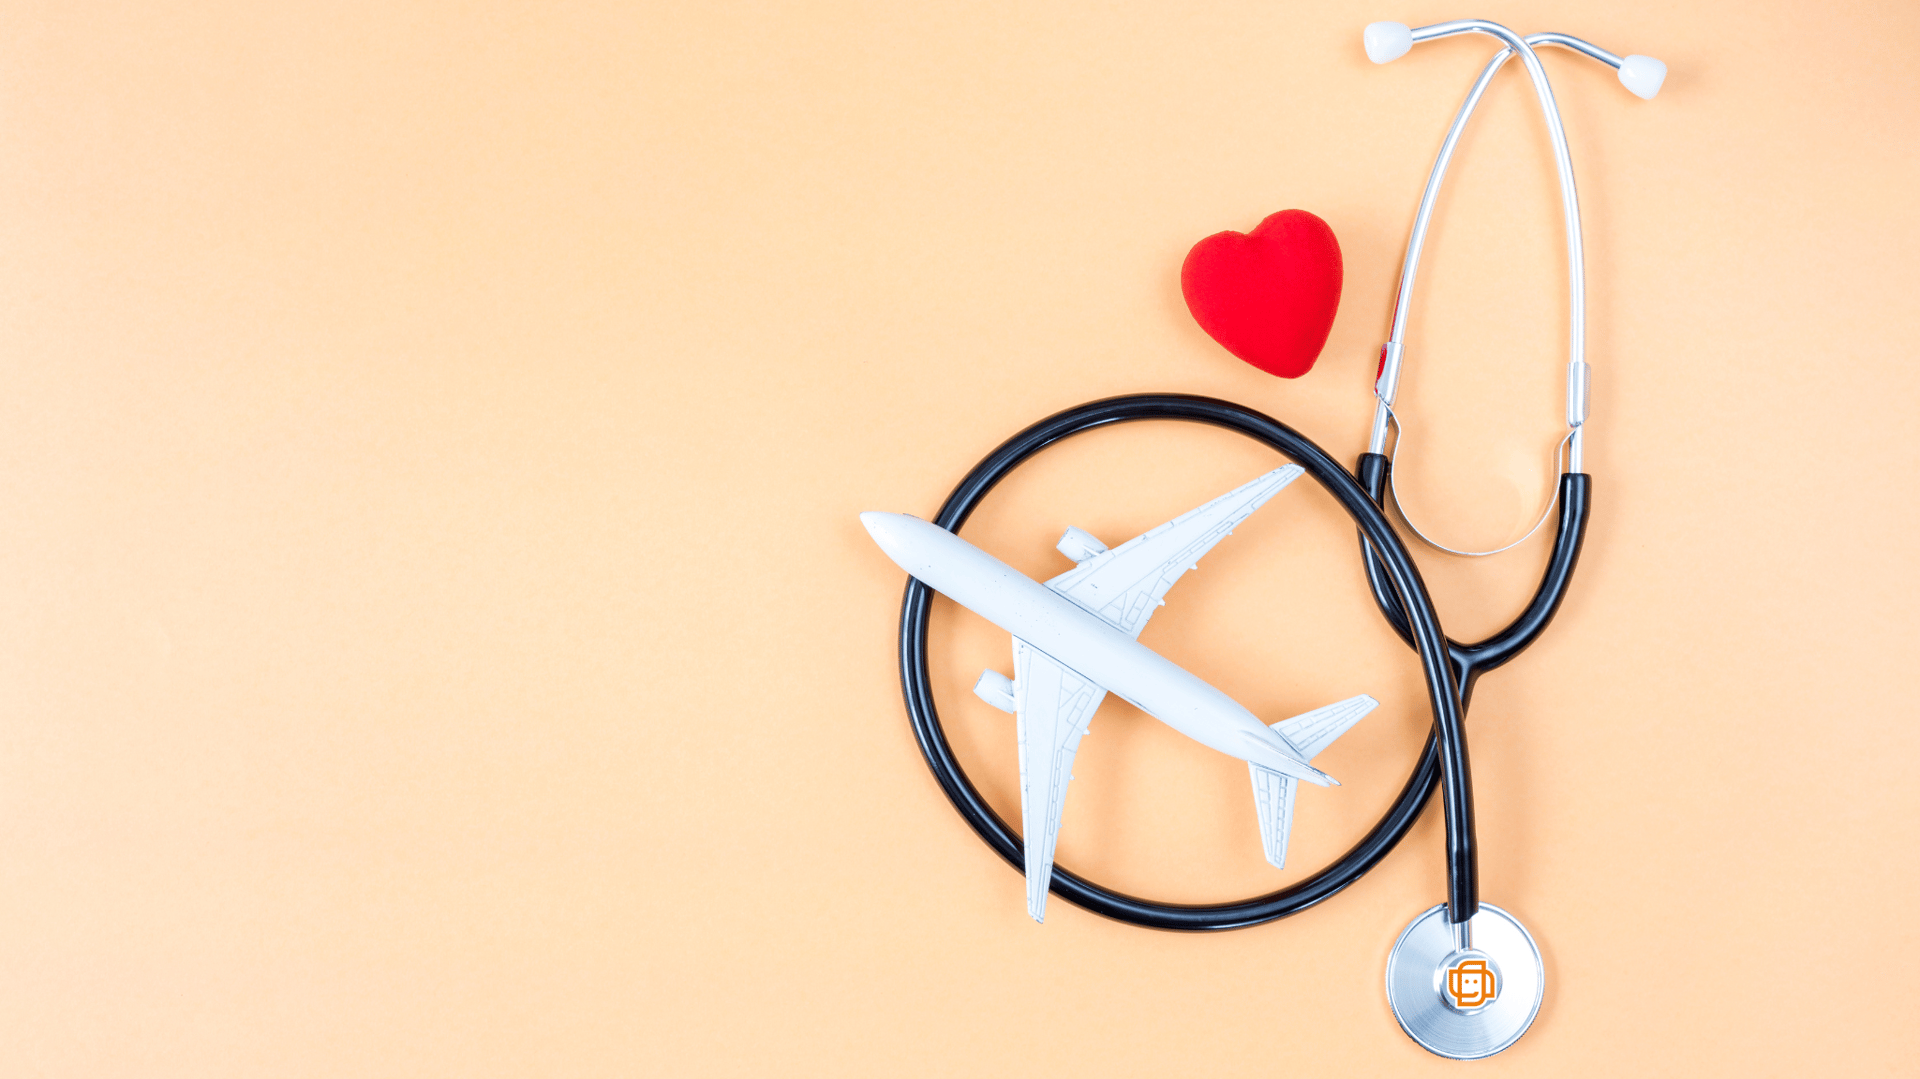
x=1457 y=991
x=1391 y=575
x=1443 y=760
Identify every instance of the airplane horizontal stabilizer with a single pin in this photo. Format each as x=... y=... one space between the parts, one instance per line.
x=1273 y=797
x=1312 y=732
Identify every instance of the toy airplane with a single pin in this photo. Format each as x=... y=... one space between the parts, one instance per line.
x=1074 y=641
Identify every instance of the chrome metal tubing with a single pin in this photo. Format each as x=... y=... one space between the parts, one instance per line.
x=1568 y=41
x=1388 y=384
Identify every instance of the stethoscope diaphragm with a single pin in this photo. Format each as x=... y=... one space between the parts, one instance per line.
x=1466 y=990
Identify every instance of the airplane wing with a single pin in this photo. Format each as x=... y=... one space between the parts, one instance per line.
x=1125 y=585
x=1055 y=706
x=1308 y=734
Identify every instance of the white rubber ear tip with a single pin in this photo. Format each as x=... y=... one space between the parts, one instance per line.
x=1643 y=75
x=1389 y=41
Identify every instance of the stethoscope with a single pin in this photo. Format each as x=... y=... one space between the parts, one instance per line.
x=1464 y=979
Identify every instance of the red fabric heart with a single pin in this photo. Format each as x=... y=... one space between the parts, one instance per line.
x=1268 y=296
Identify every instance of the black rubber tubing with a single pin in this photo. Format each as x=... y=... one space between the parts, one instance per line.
x=1470 y=661
x=1443 y=760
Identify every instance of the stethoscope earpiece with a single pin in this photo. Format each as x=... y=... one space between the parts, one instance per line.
x=1387 y=41
x=1643 y=75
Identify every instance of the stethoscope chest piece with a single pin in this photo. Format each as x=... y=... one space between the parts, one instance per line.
x=1465 y=991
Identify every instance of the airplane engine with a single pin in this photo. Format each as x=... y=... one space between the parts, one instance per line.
x=995 y=689
x=1079 y=545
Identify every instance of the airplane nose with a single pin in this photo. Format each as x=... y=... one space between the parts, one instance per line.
x=904 y=539
x=877 y=525
x=886 y=530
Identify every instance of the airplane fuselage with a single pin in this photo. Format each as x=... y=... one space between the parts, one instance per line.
x=1082 y=642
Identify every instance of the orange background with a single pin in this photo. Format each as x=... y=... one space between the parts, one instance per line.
x=436 y=638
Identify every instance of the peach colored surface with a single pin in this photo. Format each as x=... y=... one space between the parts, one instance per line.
x=436 y=639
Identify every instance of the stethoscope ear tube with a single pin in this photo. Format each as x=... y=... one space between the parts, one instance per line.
x=1442 y=760
x=1470 y=661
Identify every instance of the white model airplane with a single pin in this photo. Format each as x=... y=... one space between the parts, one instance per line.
x=1074 y=641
